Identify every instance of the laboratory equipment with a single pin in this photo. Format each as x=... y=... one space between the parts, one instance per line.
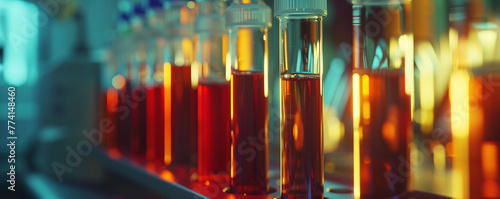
x=248 y=23
x=139 y=72
x=381 y=105
x=213 y=92
x=473 y=98
x=301 y=67
x=179 y=86
x=155 y=101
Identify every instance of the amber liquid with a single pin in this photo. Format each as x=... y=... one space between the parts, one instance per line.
x=123 y=114
x=249 y=134
x=214 y=131
x=484 y=135
x=155 y=125
x=302 y=137
x=384 y=126
x=183 y=129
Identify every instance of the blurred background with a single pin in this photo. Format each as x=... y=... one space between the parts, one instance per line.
x=58 y=54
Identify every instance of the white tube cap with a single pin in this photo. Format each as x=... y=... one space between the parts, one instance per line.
x=300 y=7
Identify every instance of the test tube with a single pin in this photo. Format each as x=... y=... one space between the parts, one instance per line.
x=301 y=67
x=381 y=105
x=180 y=86
x=473 y=97
x=248 y=23
x=213 y=93
x=109 y=97
x=139 y=72
x=155 y=91
x=121 y=82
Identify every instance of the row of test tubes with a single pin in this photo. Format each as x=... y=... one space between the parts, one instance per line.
x=189 y=91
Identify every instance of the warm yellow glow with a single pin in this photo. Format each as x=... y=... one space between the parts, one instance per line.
x=459 y=105
x=366 y=112
x=439 y=155
x=167 y=176
x=245 y=49
x=474 y=52
x=284 y=42
x=225 y=48
x=184 y=58
x=366 y=86
x=195 y=67
x=191 y=4
x=488 y=39
x=228 y=67
x=167 y=86
x=394 y=52
x=118 y=82
x=409 y=64
x=356 y=136
x=334 y=130
x=426 y=65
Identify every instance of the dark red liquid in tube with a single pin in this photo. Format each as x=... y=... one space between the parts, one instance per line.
x=111 y=132
x=249 y=133
x=214 y=131
x=138 y=125
x=123 y=115
x=302 y=109
x=155 y=125
x=182 y=130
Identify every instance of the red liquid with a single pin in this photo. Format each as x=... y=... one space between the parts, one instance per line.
x=111 y=133
x=182 y=131
x=123 y=113
x=155 y=125
x=302 y=137
x=384 y=128
x=249 y=133
x=103 y=114
x=214 y=131
x=138 y=125
x=484 y=137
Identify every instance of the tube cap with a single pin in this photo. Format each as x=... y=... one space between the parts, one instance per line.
x=375 y=2
x=248 y=14
x=300 y=7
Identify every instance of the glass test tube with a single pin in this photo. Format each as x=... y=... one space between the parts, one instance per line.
x=121 y=82
x=381 y=105
x=155 y=91
x=301 y=66
x=474 y=96
x=180 y=86
x=248 y=23
x=109 y=97
x=139 y=72
x=213 y=93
